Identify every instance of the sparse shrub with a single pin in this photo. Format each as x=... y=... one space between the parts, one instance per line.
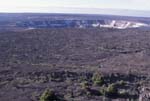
x=123 y=93
x=98 y=79
x=48 y=95
x=112 y=90
x=86 y=88
x=85 y=85
x=103 y=91
x=122 y=83
x=98 y=82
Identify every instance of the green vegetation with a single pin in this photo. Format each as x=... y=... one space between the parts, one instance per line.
x=48 y=95
x=85 y=85
x=86 y=88
x=98 y=79
x=112 y=90
x=103 y=91
x=123 y=93
x=122 y=83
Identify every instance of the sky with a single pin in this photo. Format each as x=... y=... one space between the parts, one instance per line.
x=72 y=6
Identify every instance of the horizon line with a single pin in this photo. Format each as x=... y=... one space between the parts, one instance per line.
x=26 y=12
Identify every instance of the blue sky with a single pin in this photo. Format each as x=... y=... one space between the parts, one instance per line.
x=71 y=6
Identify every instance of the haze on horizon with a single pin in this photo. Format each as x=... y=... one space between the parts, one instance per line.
x=115 y=7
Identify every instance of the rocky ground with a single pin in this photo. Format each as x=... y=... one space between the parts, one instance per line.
x=75 y=64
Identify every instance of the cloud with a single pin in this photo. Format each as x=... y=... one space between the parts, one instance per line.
x=46 y=5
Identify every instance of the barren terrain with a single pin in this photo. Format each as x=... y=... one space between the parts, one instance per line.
x=64 y=59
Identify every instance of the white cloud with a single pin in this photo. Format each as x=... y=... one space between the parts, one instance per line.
x=47 y=5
